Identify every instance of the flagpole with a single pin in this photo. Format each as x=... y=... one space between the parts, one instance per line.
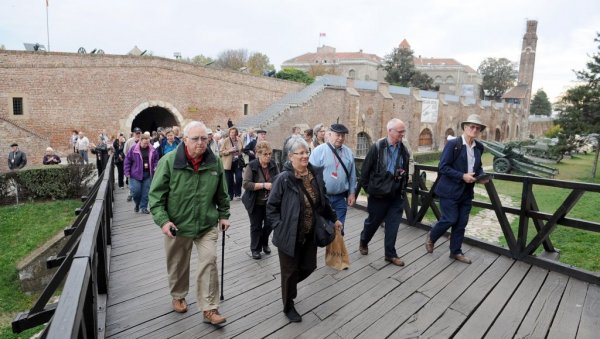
x=47 y=27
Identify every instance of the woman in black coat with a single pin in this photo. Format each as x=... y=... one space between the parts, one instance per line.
x=257 y=183
x=289 y=210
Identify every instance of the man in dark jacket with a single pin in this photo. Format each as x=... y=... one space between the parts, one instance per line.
x=386 y=155
x=16 y=158
x=458 y=175
x=188 y=200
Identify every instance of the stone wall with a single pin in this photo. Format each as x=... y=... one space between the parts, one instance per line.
x=66 y=91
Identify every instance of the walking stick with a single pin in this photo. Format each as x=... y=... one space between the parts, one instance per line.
x=222 y=263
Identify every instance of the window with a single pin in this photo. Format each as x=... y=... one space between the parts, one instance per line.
x=18 y=106
x=438 y=80
x=352 y=74
x=449 y=79
x=245 y=109
x=367 y=77
x=363 y=142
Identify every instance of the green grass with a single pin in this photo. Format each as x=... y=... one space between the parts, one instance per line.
x=24 y=228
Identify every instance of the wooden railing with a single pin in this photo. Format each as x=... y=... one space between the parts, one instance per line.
x=83 y=267
x=422 y=199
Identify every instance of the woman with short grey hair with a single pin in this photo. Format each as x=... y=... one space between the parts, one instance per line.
x=318 y=135
x=296 y=195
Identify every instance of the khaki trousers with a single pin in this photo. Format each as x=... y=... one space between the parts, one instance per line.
x=179 y=251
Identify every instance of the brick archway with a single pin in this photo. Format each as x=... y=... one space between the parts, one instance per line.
x=152 y=114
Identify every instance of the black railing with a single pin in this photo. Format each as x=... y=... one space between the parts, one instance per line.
x=422 y=199
x=83 y=267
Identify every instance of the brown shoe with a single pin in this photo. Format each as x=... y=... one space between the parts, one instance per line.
x=179 y=305
x=428 y=243
x=460 y=257
x=213 y=317
x=396 y=261
x=363 y=249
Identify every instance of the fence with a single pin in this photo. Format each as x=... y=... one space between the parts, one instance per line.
x=83 y=267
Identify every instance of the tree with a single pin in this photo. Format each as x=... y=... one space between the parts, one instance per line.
x=258 y=63
x=202 y=60
x=234 y=59
x=499 y=75
x=2 y=47
x=540 y=105
x=293 y=74
x=580 y=106
x=401 y=70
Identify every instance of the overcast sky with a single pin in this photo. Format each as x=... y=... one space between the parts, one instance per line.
x=466 y=30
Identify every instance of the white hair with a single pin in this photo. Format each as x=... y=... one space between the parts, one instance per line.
x=392 y=123
x=192 y=124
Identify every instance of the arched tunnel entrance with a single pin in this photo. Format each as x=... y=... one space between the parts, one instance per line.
x=153 y=117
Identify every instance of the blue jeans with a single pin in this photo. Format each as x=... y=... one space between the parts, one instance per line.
x=140 y=189
x=340 y=206
x=455 y=214
x=84 y=156
x=388 y=210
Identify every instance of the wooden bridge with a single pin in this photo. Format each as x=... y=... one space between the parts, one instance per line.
x=431 y=297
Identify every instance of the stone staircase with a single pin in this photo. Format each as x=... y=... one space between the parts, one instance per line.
x=290 y=100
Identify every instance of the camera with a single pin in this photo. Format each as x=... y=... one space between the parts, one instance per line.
x=399 y=175
x=173 y=231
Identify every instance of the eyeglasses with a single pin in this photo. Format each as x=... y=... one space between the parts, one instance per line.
x=266 y=154
x=195 y=139
x=301 y=153
x=402 y=131
x=475 y=127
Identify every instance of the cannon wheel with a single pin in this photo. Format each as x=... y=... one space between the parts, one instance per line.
x=501 y=165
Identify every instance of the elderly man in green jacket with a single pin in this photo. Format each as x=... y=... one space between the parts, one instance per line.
x=188 y=200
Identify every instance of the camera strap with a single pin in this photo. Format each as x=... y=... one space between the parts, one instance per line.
x=341 y=162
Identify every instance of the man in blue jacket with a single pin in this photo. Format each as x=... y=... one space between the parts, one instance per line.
x=459 y=168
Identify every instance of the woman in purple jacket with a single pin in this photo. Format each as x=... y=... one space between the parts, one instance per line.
x=140 y=165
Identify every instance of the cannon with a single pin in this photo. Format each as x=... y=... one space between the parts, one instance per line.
x=543 y=148
x=508 y=158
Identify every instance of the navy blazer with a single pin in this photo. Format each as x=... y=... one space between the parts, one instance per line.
x=451 y=184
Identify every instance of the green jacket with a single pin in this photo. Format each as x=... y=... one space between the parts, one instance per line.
x=194 y=202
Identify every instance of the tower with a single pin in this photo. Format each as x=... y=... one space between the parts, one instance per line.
x=525 y=79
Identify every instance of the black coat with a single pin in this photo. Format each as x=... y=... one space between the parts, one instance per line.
x=285 y=206
x=374 y=155
x=16 y=160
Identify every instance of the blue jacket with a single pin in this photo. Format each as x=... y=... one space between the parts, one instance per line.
x=451 y=184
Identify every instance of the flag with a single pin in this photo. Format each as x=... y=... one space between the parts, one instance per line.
x=321 y=34
x=46 y=3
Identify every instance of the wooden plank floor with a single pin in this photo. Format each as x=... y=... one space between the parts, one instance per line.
x=431 y=297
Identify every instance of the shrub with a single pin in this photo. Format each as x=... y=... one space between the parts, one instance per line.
x=48 y=182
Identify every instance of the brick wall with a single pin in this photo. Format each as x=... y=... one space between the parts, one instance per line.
x=65 y=91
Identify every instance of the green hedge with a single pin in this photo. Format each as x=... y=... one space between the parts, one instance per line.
x=48 y=182
x=427 y=156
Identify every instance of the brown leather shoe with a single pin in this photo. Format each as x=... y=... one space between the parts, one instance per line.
x=396 y=261
x=460 y=257
x=179 y=305
x=213 y=317
x=363 y=249
x=428 y=243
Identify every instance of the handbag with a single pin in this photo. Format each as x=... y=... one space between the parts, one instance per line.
x=324 y=231
x=240 y=162
x=336 y=254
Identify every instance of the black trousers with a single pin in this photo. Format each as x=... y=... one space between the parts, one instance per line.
x=260 y=228
x=295 y=269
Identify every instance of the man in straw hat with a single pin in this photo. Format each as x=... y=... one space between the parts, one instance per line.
x=459 y=170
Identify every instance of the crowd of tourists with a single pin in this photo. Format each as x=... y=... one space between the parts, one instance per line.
x=188 y=179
